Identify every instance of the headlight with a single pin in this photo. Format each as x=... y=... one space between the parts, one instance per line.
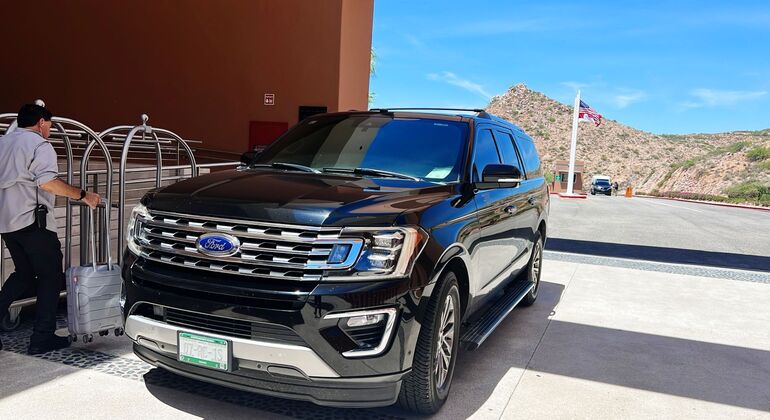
x=135 y=225
x=386 y=253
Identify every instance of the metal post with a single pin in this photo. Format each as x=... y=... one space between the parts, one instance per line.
x=67 y=203
x=159 y=160
x=185 y=146
x=122 y=186
x=573 y=145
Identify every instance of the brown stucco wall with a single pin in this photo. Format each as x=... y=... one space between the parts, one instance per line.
x=197 y=67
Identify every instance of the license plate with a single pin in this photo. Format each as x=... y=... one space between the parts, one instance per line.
x=200 y=350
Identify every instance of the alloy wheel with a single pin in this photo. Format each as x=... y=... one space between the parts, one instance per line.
x=537 y=259
x=445 y=345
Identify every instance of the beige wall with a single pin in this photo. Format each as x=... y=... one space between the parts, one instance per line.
x=197 y=67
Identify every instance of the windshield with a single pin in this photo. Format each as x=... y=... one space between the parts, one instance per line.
x=428 y=149
x=602 y=182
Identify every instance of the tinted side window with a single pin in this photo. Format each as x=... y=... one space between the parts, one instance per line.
x=485 y=153
x=529 y=155
x=507 y=150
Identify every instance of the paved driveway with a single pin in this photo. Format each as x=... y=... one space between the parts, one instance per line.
x=609 y=337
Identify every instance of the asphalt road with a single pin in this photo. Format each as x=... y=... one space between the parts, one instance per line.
x=661 y=230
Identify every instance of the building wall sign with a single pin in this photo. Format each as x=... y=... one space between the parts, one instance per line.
x=270 y=99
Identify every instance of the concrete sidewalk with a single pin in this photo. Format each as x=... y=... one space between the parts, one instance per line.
x=601 y=342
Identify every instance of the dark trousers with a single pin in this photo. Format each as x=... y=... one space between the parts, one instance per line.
x=36 y=253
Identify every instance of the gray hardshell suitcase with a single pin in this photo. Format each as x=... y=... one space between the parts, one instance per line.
x=93 y=294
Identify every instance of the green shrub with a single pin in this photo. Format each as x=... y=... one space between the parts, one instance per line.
x=737 y=146
x=758 y=153
x=752 y=190
x=764 y=166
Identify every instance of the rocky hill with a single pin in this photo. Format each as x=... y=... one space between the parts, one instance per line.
x=713 y=164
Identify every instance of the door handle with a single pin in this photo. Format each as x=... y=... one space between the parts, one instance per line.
x=510 y=209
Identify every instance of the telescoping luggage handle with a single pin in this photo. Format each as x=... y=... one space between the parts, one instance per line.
x=92 y=235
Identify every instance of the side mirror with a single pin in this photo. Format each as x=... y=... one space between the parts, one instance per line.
x=249 y=157
x=500 y=176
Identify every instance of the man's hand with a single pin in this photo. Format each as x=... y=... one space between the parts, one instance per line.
x=60 y=187
x=92 y=199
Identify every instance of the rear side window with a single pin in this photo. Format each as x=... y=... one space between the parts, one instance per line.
x=507 y=149
x=485 y=153
x=529 y=155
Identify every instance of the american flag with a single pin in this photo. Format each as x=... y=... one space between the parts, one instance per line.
x=588 y=113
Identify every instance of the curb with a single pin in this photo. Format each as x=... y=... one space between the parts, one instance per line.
x=580 y=196
x=711 y=203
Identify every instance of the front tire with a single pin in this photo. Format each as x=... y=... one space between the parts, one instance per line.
x=534 y=270
x=425 y=389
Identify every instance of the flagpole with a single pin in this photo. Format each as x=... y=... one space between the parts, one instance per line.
x=573 y=145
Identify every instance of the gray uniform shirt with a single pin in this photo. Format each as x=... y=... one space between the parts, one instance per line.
x=27 y=161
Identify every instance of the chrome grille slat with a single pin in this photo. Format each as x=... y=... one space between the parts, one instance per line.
x=193 y=263
x=251 y=233
x=317 y=250
x=193 y=252
x=267 y=250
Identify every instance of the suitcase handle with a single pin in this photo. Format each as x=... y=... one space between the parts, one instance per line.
x=92 y=235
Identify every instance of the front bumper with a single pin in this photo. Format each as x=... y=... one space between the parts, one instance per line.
x=377 y=391
x=311 y=366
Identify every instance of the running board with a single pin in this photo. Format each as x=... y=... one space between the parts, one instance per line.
x=476 y=333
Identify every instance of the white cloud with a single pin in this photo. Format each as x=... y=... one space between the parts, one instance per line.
x=625 y=99
x=455 y=80
x=414 y=41
x=500 y=26
x=575 y=85
x=714 y=97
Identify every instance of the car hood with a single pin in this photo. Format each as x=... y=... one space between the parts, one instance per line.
x=297 y=197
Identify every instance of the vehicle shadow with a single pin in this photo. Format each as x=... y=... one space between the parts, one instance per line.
x=660 y=254
x=477 y=375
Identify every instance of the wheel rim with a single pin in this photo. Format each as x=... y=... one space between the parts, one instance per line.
x=537 y=259
x=445 y=345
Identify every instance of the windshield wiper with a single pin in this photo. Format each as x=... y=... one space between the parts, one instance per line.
x=370 y=171
x=286 y=165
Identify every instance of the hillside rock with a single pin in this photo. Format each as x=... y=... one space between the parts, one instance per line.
x=696 y=163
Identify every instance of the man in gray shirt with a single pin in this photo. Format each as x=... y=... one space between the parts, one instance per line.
x=28 y=180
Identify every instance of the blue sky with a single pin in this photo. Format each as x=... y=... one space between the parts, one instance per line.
x=665 y=67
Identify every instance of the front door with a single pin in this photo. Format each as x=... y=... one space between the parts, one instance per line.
x=502 y=239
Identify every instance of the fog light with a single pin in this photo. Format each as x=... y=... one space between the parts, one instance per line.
x=364 y=320
x=339 y=253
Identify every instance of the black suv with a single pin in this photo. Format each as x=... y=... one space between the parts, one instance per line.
x=601 y=186
x=345 y=263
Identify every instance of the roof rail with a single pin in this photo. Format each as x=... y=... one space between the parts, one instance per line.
x=477 y=110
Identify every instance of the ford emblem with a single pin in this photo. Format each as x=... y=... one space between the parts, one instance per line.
x=217 y=244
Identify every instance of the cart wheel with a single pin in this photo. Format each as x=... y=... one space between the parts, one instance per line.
x=9 y=324
x=119 y=332
x=90 y=338
x=103 y=333
x=74 y=338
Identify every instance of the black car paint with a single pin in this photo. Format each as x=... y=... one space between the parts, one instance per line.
x=465 y=226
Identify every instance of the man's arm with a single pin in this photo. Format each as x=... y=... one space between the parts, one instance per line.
x=61 y=188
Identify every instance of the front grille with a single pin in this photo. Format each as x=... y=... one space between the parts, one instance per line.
x=231 y=327
x=267 y=250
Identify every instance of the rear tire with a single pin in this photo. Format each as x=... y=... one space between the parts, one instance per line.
x=425 y=389
x=534 y=270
